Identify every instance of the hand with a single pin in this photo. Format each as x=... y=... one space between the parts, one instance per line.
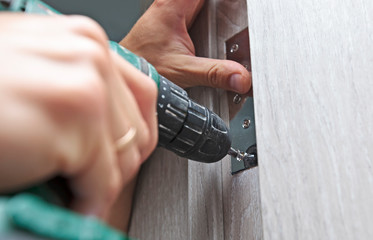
x=161 y=37
x=65 y=100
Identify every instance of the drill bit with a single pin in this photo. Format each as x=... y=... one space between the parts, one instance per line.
x=249 y=160
x=237 y=154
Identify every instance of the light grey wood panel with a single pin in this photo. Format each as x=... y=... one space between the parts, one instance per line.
x=197 y=188
x=210 y=209
x=241 y=196
x=160 y=208
x=242 y=213
x=312 y=64
x=205 y=181
x=205 y=201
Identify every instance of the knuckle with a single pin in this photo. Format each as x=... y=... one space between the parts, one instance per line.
x=88 y=27
x=212 y=76
x=92 y=50
x=85 y=22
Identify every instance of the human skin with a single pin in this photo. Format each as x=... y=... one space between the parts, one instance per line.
x=161 y=37
x=77 y=123
x=65 y=100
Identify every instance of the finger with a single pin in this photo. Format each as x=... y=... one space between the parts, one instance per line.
x=74 y=47
x=125 y=117
x=87 y=27
x=189 y=71
x=15 y=22
x=145 y=92
x=96 y=187
x=130 y=161
x=54 y=24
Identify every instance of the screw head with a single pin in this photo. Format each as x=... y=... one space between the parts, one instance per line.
x=237 y=99
x=234 y=48
x=246 y=123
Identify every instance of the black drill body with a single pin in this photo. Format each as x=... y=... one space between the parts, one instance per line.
x=189 y=129
x=185 y=127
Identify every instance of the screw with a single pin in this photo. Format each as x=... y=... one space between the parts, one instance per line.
x=237 y=99
x=234 y=48
x=237 y=154
x=246 y=123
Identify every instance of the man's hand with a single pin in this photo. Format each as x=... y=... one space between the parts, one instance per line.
x=65 y=100
x=161 y=37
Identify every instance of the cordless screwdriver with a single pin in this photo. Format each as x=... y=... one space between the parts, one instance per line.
x=185 y=127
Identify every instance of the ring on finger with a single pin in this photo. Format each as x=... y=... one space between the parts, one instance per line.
x=126 y=140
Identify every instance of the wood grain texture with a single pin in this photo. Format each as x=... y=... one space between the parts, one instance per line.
x=312 y=64
x=194 y=207
x=241 y=195
x=205 y=181
x=180 y=199
x=160 y=207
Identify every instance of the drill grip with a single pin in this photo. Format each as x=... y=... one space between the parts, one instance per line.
x=185 y=127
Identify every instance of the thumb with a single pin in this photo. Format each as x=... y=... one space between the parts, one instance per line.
x=189 y=71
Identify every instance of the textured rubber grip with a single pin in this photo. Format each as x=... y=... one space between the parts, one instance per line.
x=189 y=129
x=172 y=110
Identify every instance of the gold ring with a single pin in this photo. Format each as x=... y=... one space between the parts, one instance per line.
x=124 y=141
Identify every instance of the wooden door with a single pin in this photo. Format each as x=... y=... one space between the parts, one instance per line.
x=312 y=66
x=312 y=63
x=181 y=199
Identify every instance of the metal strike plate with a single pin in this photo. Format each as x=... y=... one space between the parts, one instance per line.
x=241 y=108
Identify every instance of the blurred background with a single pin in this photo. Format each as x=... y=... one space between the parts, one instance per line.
x=115 y=16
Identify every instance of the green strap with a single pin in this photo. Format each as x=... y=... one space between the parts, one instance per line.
x=29 y=212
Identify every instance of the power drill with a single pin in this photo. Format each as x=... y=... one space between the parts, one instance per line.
x=185 y=127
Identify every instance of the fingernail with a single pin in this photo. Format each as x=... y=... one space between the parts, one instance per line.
x=235 y=82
